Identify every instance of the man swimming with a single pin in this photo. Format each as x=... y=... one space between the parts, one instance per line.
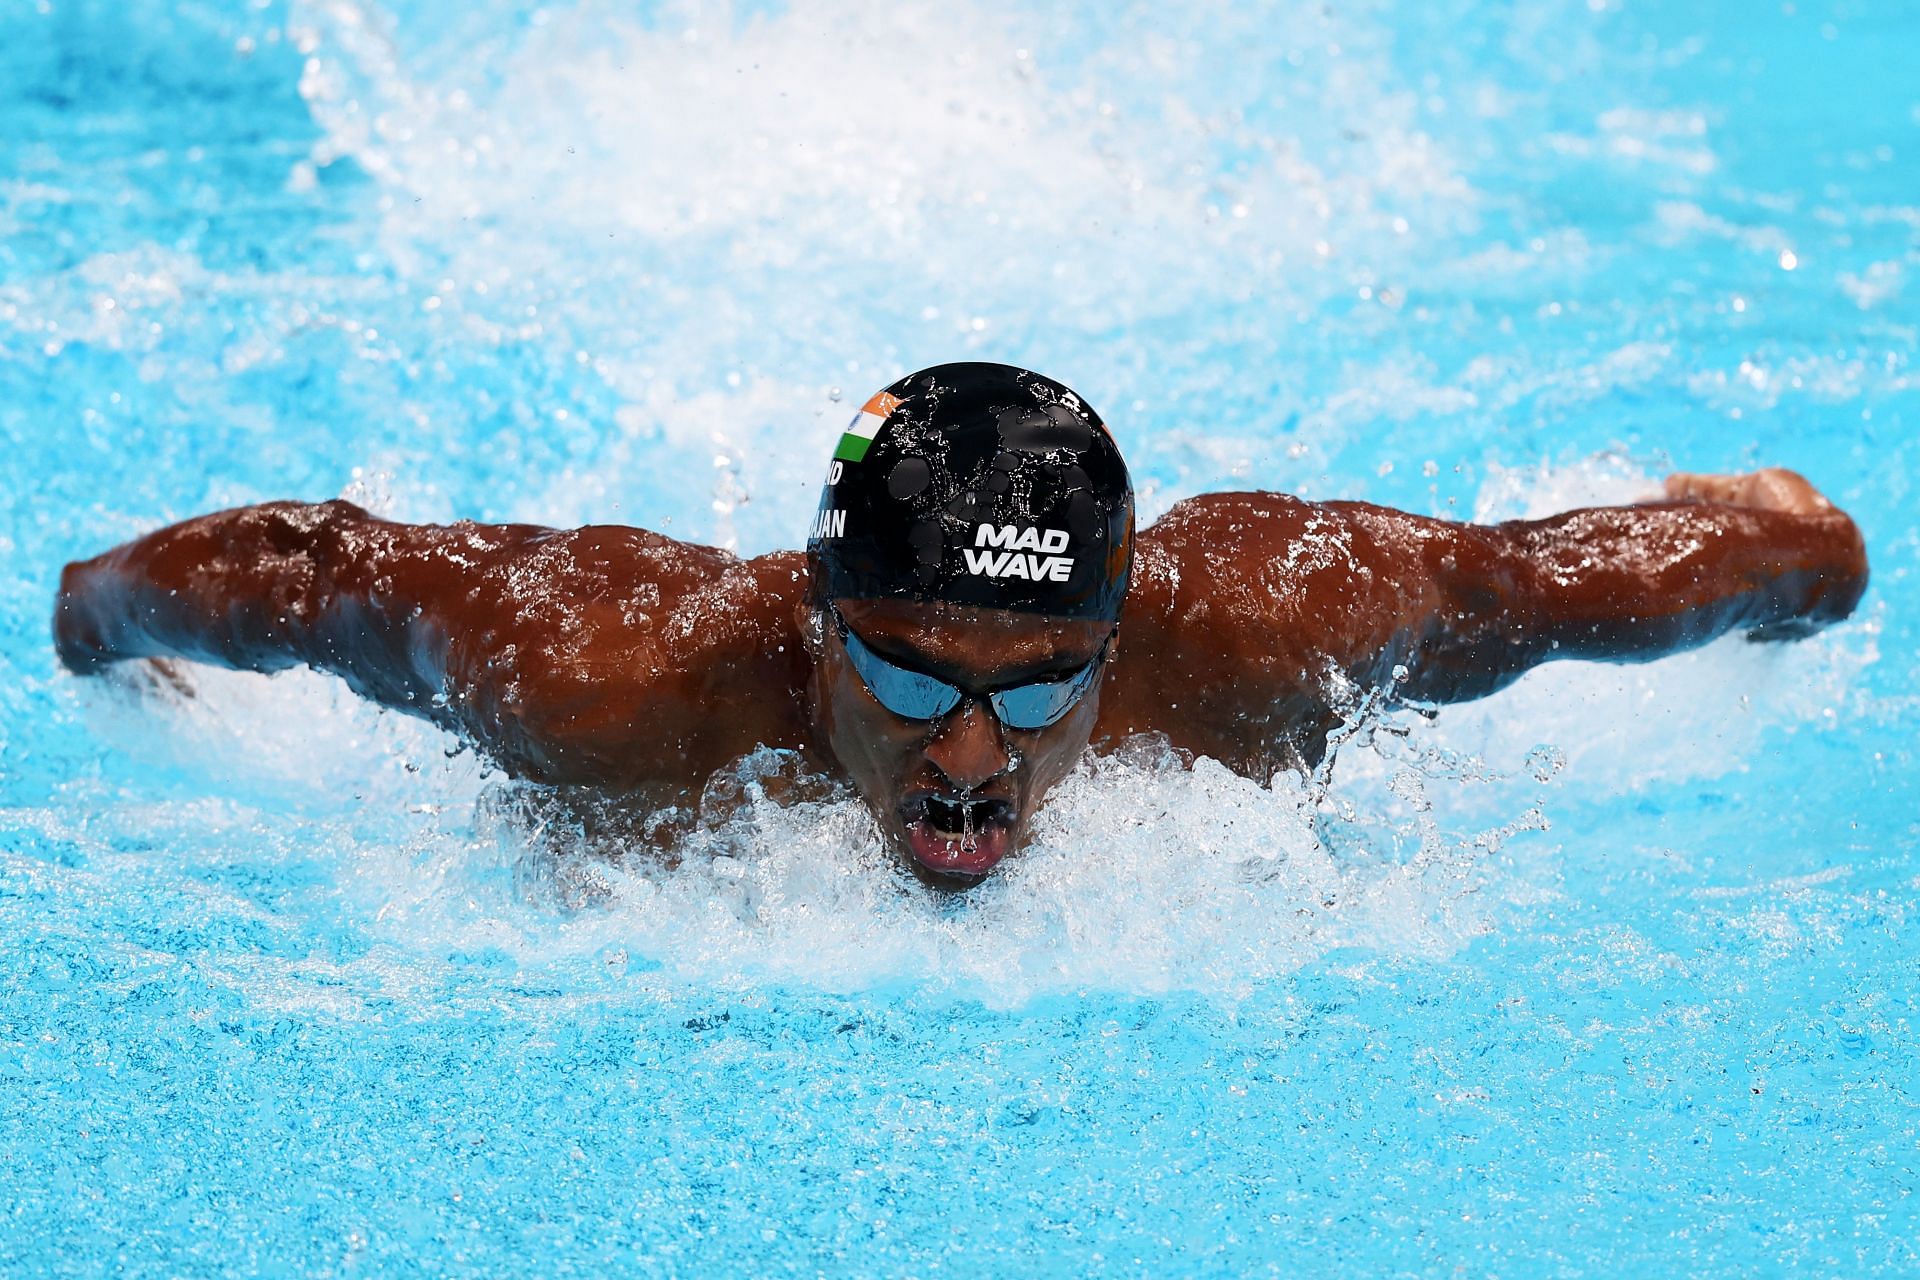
x=973 y=609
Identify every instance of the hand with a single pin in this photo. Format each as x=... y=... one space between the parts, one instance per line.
x=1770 y=489
x=163 y=678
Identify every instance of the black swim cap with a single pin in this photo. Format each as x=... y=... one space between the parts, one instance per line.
x=977 y=484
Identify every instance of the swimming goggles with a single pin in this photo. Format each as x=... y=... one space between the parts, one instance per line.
x=915 y=695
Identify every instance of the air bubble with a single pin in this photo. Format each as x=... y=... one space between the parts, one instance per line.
x=1545 y=762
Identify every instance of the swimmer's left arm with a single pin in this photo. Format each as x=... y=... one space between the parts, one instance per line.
x=1763 y=553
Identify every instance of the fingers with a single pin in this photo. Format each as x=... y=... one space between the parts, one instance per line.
x=170 y=674
x=1778 y=489
x=1769 y=489
x=161 y=678
x=1687 y=486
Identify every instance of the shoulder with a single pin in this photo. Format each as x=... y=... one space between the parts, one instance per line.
x=571 y=586
x=1271 y=544
x=1209 y=514
x=621 y=655
x=592 y=558
x=1275 y=527
x=592 y=598
x=1272 y=583
x=1241 y=604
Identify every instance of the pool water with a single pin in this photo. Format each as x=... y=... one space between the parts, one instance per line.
x=1614 y=971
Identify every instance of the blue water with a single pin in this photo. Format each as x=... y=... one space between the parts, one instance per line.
x=1612 y=973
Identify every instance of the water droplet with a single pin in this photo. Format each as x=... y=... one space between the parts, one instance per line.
x=1545 y=762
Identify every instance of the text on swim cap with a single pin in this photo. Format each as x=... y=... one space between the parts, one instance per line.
x=1049 y=566
x=829 y=524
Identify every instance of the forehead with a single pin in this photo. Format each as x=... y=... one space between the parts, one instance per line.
x=974 y=643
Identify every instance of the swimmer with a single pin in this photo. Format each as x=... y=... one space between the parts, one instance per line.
x=973 y=610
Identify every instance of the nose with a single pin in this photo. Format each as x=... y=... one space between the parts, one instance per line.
x=967 y=747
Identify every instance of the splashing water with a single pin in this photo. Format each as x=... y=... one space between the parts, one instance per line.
x=296 y=984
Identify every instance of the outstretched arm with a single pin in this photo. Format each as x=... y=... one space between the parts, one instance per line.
x=1764 y=553
x=604 y=655
x=268 y=587
x=1255 y=618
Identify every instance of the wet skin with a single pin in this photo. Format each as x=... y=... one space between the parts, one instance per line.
x=624 y=661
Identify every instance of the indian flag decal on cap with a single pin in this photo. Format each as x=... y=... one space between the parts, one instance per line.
x=859 y=434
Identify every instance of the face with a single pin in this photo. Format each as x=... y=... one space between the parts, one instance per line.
x=955 y=794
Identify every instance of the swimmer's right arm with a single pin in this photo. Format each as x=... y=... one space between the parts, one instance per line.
x=259 y=588
x=564 y=655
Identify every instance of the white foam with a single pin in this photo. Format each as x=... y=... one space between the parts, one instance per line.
x=761 y=442
x=908 y=136
x=1144 y=877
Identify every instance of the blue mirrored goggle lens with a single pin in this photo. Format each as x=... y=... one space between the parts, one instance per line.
x=1035 y=706
x=911 y=694
x=914 y=695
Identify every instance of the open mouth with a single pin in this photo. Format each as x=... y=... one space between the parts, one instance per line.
x=956 y=834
